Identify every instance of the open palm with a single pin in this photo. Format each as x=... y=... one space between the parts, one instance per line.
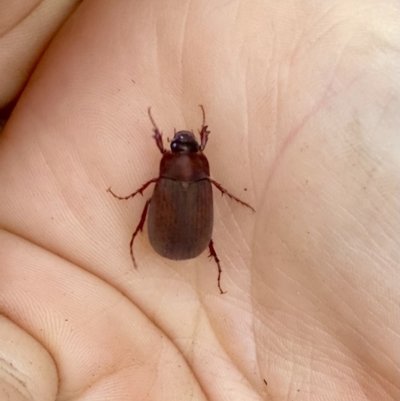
x=302 y=119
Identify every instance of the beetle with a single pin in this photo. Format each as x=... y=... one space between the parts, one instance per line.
x=180 y=210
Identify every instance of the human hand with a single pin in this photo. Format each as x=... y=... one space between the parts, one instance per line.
x=302 y=113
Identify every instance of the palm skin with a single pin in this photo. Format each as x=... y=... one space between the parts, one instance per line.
x=302 y=113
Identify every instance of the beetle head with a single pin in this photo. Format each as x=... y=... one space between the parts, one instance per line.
x=184 y=142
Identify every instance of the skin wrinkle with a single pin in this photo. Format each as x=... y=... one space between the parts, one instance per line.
x=183 y=45
x=247 y=124
x=291 y=137
x=360 y=226
x=190 y=362
x=295 y=50
x=358 y=359
x=13 y=372
x=198 y=377
x=390 y=101
x=299 y=311
x=28 y=14
x=170 y=340
x=238 y=369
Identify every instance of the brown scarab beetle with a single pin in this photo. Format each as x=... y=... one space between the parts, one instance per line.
x=180 y=211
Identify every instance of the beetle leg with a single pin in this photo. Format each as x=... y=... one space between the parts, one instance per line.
x=157 y=134
x=225 y=192
x=139 y=228
x=214 y=255
x=203 y=132
x=139 y=191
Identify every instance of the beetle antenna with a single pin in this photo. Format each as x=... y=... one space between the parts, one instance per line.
x=152 y=119
x=204 y=115
x=157 y=134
